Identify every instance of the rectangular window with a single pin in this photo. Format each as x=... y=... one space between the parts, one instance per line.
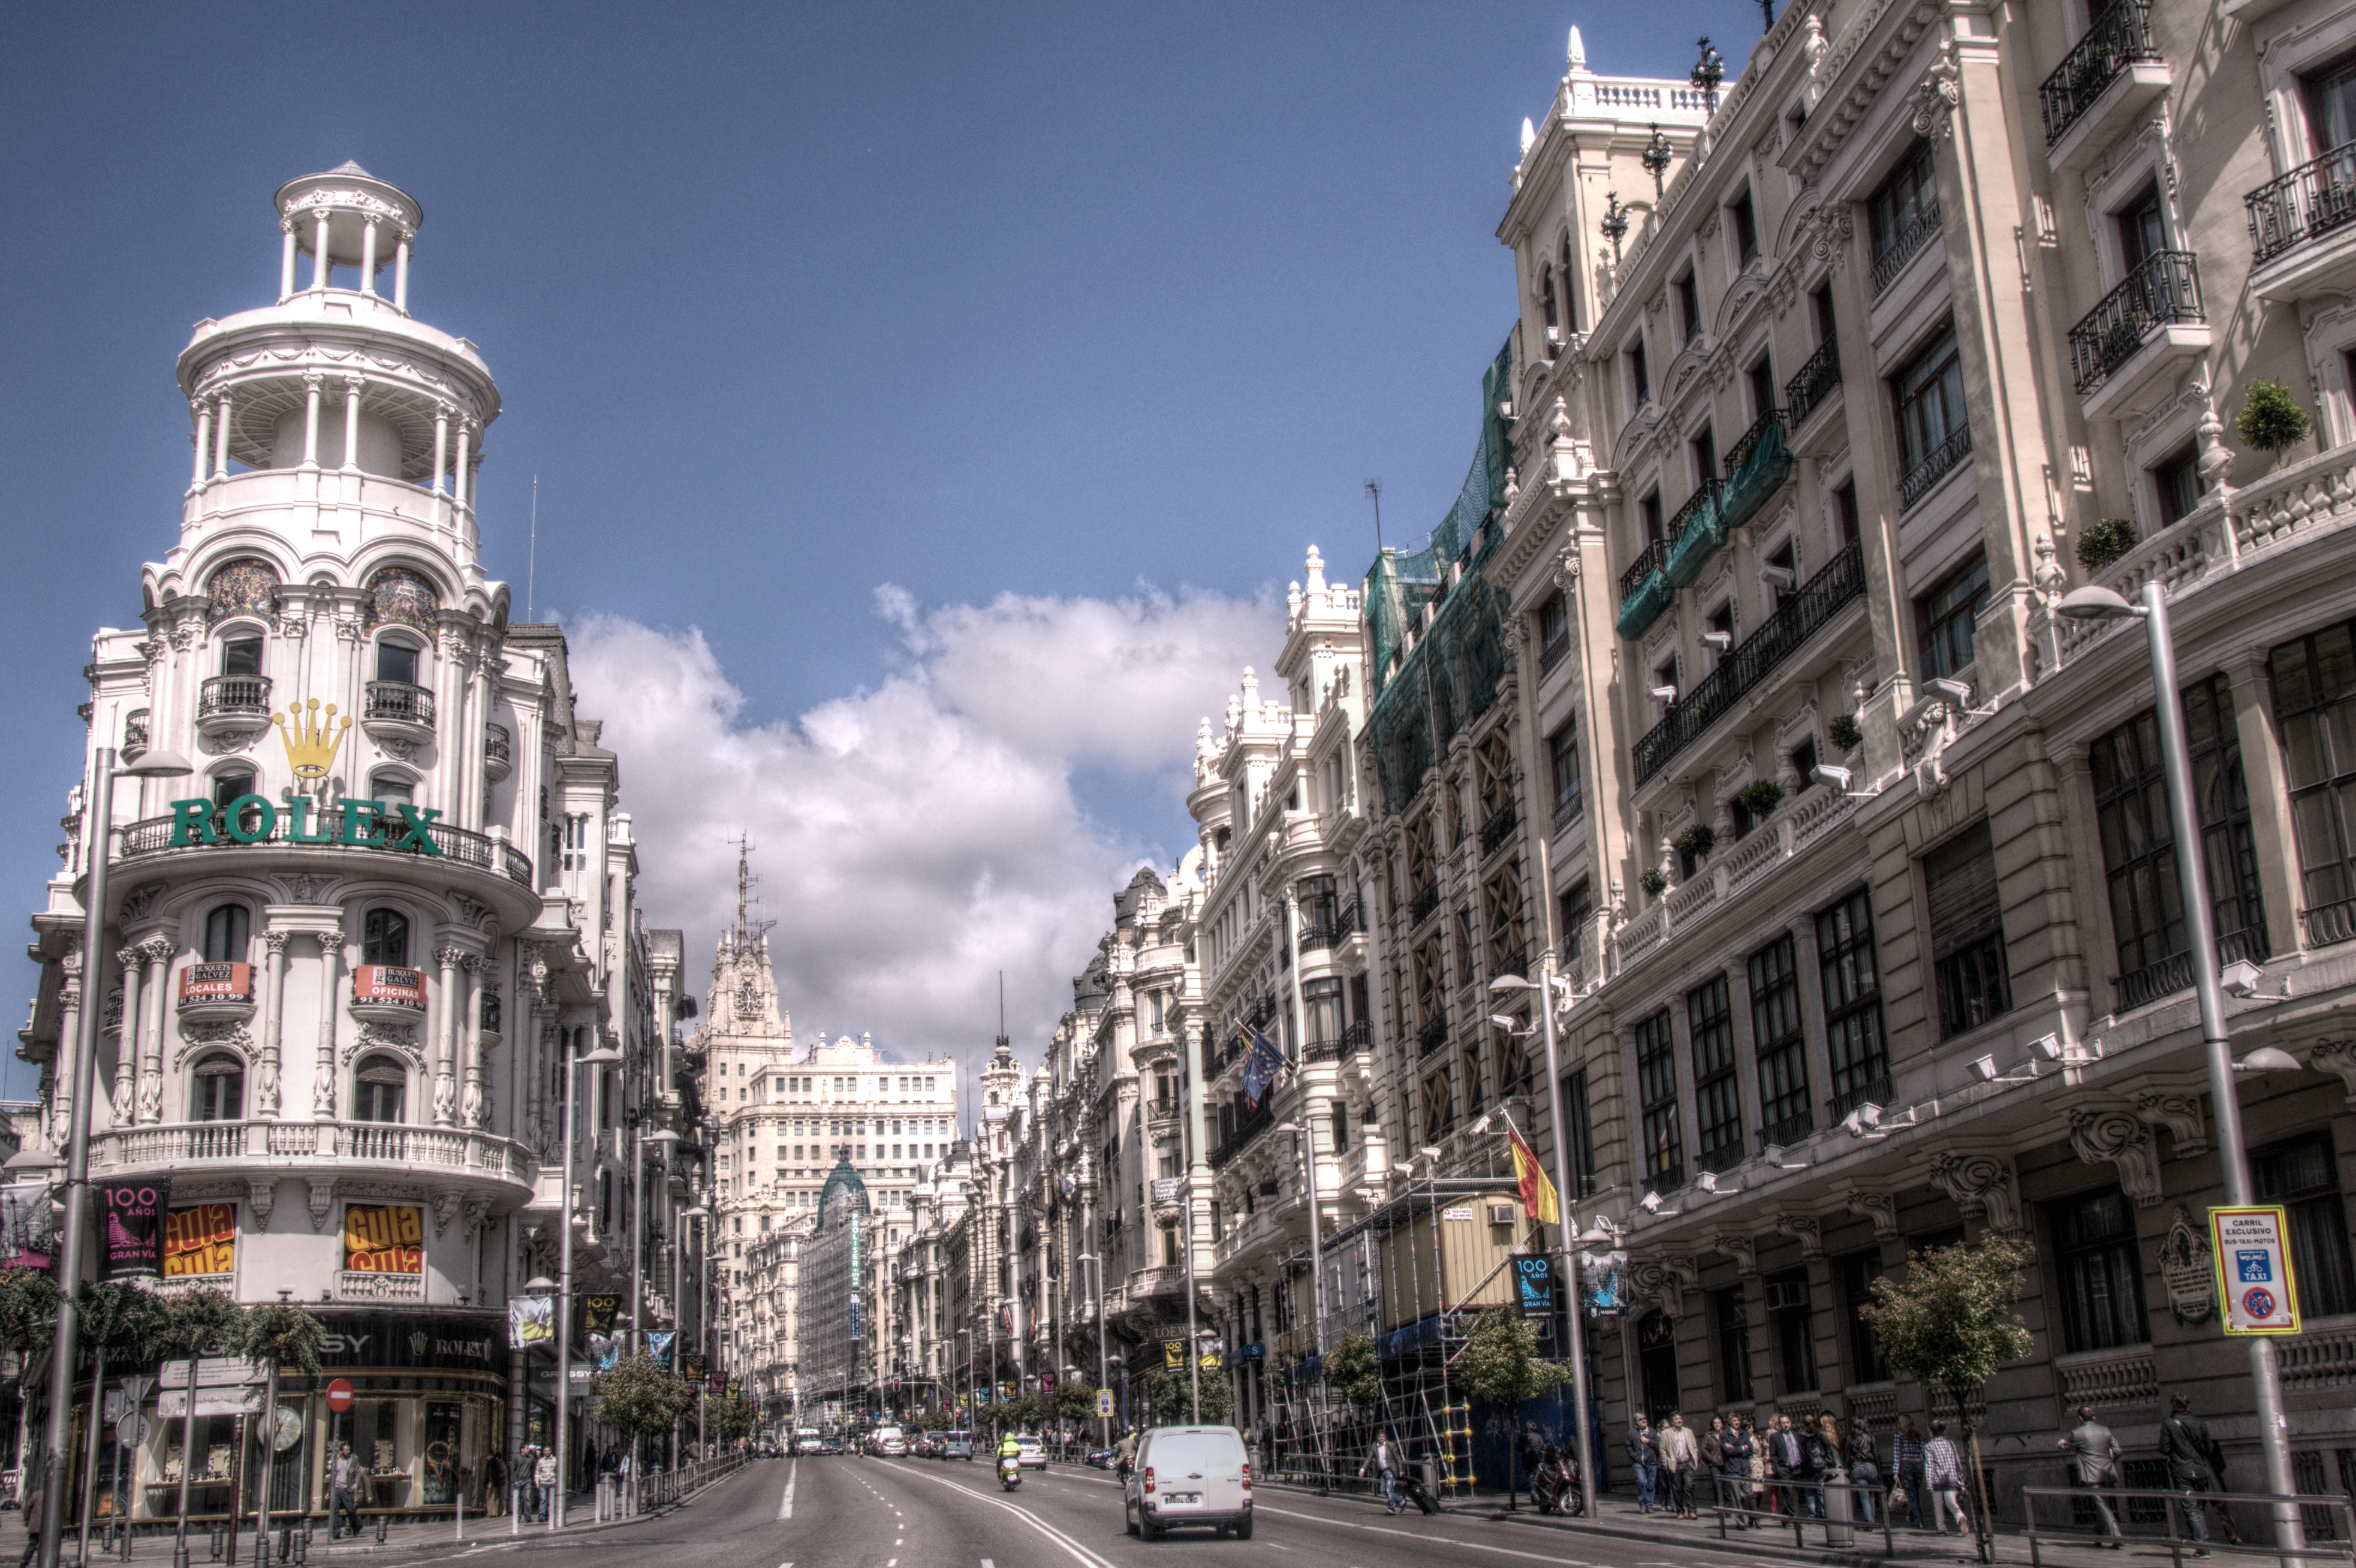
x=2178 y=481
x=1649 y=512
x=1852 y=987
x=2314 y=681
x=1793 y=1315
x=1857 y=1273
x=1689 y=307
x=1640 y=376
x=1845 y=512
x=1582 y=1132
x=2139 y=847
x=1820 y=306
x=1656 y=1086
x=1705 y=457
x=2332 y=106
x=2303 y=1176
x=1966 y=919
x=2101 y=1270
x=1509 y=951
x=1732 y=1311
x=1436 y=1109
x=2143 y=228
x=1718 y=1099
x=1746 y=229
x=1944 y=618
x=1562 y=761
x=1575 y=913
x=1776 y=1036
x=1930 y=393
x=1762 y=388
x=1554 y=630
x=1911 y=191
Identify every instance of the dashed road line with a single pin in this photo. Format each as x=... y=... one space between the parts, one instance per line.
x=786 y=1503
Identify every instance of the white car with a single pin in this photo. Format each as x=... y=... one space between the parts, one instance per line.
x=889 y=1443
x=1030 y=1452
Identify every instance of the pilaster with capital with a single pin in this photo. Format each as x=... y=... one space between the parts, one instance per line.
x=446 y=1036
x=323 y=1086
x=157 y=951
x=273 y=997
x=126 y=1043
x=471 y=1098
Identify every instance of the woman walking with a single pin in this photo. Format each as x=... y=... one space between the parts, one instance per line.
x=1943 y=1467
x=1906 y=1454
x=1864 y=1472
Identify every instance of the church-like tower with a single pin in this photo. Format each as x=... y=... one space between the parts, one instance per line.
x=344 y=959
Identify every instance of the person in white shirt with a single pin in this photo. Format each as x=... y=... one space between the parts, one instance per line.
x=1680 y=1457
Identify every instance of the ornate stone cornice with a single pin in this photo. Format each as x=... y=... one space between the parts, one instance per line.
x=2099 y=1135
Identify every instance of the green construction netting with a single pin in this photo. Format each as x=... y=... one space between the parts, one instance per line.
x=1431 y=681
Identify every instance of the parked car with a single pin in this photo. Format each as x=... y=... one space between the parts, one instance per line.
x=1100 y=1458
x=1186 y=1476
x=957 y=1445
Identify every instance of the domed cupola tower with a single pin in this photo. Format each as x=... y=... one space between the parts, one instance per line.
x=344 y=962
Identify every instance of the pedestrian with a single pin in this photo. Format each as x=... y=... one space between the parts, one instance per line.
x=1679 y=1459
x=1942 y=1468
x=1267 y=1447
x=2196 y=1466
x=1645 y=1458
x=1384 y=1462
x=1786 y=1458
x=495 y=1483
x=1906 y=1454
x=1712 y=1445
x=2094 y=1464
x=1530 y=1450
x=1864 y=1472
x=1832 y=1461
x=546 y=1485
x=33 y=1497
x=343 y=1492
x=1816 y=1461
x=1738 y=1451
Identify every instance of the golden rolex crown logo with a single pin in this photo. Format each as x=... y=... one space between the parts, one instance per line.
x=311 y=739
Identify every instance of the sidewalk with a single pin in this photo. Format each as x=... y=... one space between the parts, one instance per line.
x=1620 y=1519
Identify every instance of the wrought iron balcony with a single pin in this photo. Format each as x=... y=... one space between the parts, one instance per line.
x=498 y=756
x=1874 y=1090
x=2314 y=198
x=1788 y=1129
x=2172 y=974
x=2164 y=291
x=2329 y=923
x=1434 y=1032
x=1800 y=617
x=1358 y=1037
x=398 y=702
x=453 y=845
x=1904 y=245
x=1655 y=557
x=1568 y=808
x=1499 y=828
x=1721 y=1160
x=238 y=696
x=1919 y=481
x=135 y=734
x=1550 y=655
x=2117 y=38
x=1421 y=904
x=1253 y=1123
x=1813 y=384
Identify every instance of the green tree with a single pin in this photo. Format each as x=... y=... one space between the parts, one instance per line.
x=728 y=1422
x=283 y=1336
x=201 y=1323
x=1075 y=1403
x=123 y=1319
x=636 y=1398
x=1354 y=1370
x=2271 y=418
x=28 y=1311
x=1172 y=1396
x=1949 y=1324
x=1500 y=1364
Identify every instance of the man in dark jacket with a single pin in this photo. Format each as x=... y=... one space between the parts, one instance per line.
x=1787 y=1459
x=2195 y=1464
x=1645 y=1458
x=2094 y=1464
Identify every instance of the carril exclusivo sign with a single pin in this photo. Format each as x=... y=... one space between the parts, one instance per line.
x=254 y=819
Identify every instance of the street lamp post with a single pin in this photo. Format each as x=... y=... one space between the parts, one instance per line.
x=97 y=816
x=2095 y=604
x=601 y=1058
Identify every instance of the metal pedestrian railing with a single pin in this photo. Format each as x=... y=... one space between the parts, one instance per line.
x=2285 y=1527
x=1837 y=1511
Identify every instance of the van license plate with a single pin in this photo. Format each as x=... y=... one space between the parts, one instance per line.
x=1179 y=1498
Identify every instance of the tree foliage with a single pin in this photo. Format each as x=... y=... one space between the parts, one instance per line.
x=123 y=1318
x=1172 y=1396
x=283 y=1336
x=203 y=1322
x=1074 y=1403
x=636 y=1396
x=1354 y=1370
x=29 y=1310
x=2271 y=418
x=1949 y=1323
x=1500 y=1362
x=729 y=1421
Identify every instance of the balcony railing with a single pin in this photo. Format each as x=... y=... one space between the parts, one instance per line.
x=1788 y=1129
x=457 y=846
x=1351 y=921
x=399 y=701
x=1814 y=382
x=1358 y=1037
x=2172 y=974
x=1721 y=1160
x=2328 y=923
x=1420 y=906
x=1799 y=618
x=1513 y=961
x=1434 y=1032
x=1567 y=810
x=1550 y=655
x=1253 y=1123
x=135 y=734
x=1874 y=1090
x=222 y=694
x=1696 y=532
x=2164 y=290
x=2118 y=37
x=1656 y=556
x=2314 y=198
x=1904 y=246
x=1952 y=449
x=497 y=748
x=1323 y=1050
x=1499 y=828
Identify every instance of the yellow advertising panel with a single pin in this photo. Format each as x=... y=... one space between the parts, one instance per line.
x=384 y=1239
x=200 y=1240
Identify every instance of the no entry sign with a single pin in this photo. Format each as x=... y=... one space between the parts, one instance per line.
x=339 y=1395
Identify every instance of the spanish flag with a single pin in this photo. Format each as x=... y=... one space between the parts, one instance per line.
x=1537 y=1192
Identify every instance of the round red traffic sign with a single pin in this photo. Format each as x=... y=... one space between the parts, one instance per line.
x=339 y=1395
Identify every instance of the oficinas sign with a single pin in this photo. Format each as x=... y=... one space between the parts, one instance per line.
x=254 y=818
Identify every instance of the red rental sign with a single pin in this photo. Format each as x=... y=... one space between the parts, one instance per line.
x=217 y=982
x=339 y=1395
x=389 y=984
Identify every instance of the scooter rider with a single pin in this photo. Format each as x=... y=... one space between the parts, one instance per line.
x=1124 y=1453
x=1009 y=1459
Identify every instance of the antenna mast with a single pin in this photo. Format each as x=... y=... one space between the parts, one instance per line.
x=531 y=559
x=1002 y=1041
x=747 y=928
x=1374 y=489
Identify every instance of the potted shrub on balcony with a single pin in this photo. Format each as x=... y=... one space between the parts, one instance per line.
x=2104 y=540
x=1759 y=797
x=1842 y=731
x=1696 y=842
x=2271 y=420
x=1654 y=881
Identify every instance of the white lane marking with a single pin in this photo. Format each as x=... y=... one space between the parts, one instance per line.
x=1417 y=1535
x=1072 y=1548
x=1280 y=1546
x=786 y=1503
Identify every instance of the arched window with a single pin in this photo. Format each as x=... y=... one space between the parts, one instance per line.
x=226 y=931
x=396 y=661
x=384 y=937
x=218 y=1091
x=377 y=1090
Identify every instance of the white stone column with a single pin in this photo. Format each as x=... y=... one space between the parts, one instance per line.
x=352 y=385
x=400 y=274
x=319 y=271
x=273 y=1022
x=440 y=447
x=286 y=260
x=311 y=386
x=471 y=1098
x=458 y=470
x=126 y=1038
x=445 y=1032
x=159 y=950
x=204 y=412
x=323 y=1087
x=367 y=256
x=220 y=440
x=70 y=1005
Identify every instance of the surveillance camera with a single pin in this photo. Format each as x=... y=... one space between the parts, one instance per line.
x=1651 y=1203
x=1721 y=641
x=2048 y=1045
x=1666 y=693
x=1836 y=776
x=2242 y=976
x=1957 y=691
x=1781 y=576
x=1503 y=1022
x=1985 y=1068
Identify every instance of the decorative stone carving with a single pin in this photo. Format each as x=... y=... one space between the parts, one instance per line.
x=477 y=1211
x=1666 y=1279
x=1934 y=99
x=445 y=1208
x=306 y=889
x=473 y=914
x=2188 y=1267
x=2180 y=1114
x=139 y=903
x=2337 y=1056
x=197 y=1037
x=261 y=1193
x=1742 y=1247
x=1981 y=1185
x=2097 y=1135
x=1878 y=1206
x=377 y=1036
x=1805 y=1229
x=323 y=1201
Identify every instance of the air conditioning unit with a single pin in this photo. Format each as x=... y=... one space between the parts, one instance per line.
x=1501 y=1213
x=1786 y=1295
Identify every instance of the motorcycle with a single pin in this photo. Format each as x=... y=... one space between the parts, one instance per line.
x=1009 y=1472
x=1554 y=1483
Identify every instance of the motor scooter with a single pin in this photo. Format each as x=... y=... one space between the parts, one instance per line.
x=1554 y=1483
x=1009 y=1472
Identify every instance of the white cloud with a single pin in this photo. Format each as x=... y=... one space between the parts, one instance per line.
x=915 y=839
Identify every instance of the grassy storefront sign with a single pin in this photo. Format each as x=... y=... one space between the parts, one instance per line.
x=254 y=819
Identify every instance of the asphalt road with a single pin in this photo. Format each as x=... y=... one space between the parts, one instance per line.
x=853 y=1513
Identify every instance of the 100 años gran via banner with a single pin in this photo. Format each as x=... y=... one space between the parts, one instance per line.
x=134 y=1229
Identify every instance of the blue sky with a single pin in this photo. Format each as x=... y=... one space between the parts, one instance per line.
x=1075 y=303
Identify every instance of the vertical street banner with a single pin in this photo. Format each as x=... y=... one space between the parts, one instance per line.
x=28 y=1231
x=691 y=1368
x=388 y=1238
x=2254 y=1278
x=1533 y=1286
x=134 y=1229
x=532 y=1320
x=200 y=1240
x=658 y=1346
x=596 y=1317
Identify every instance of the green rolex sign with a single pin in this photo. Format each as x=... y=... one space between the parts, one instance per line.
x=254 y=819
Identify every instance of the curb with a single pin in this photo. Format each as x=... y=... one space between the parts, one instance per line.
x=320 y=1548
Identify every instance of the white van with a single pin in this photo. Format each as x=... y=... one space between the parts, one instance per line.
x=1187 y=1476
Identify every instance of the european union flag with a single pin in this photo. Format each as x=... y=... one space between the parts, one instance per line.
x=1261 y=1066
